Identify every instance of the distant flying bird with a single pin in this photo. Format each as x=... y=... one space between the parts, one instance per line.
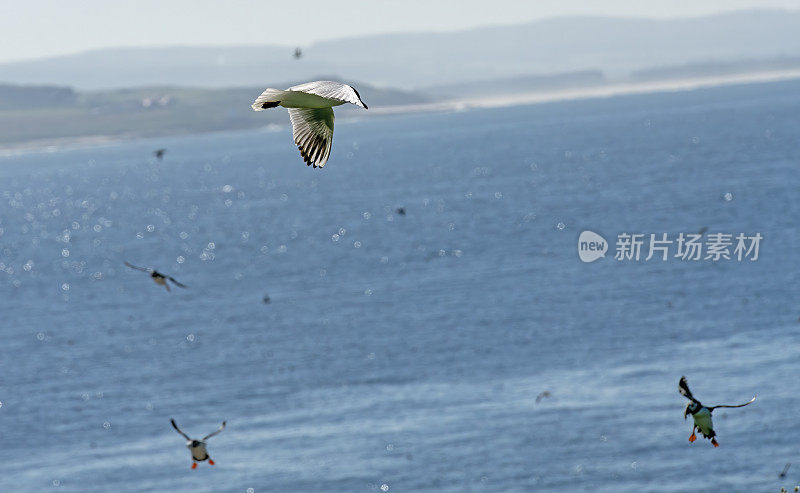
x=702 y=230
x=159 y=153
x=782 y=474
x=311 y=112
x=197 y=447
x=298 y=53
x=401 y=211
x=266 y=299
x=158 y=277
x=542 y=395
x=701 y=414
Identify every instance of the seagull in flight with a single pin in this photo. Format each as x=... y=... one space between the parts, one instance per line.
x=298 y=53
x=311 y=112
x=158 y=277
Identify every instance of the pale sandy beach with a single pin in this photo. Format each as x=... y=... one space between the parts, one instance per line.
x=609 y=90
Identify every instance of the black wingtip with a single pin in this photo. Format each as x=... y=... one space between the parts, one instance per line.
x=359 y=97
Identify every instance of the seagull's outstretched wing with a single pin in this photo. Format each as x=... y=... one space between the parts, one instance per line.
x=331 y=90
x=179 y=430
x=270 y=98
x=149 y=271
x=738 y=405
x=212 y=434
x=683 y=388
x=312 y=129
x=177 y=283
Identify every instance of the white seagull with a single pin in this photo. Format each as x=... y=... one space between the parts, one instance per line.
x=311 y=111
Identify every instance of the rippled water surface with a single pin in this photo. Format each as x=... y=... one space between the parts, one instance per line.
x=407 y=351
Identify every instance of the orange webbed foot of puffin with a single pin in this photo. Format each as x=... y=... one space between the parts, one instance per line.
x=693 y=438
x=714 y=442
x=211 y=462
x=194 y=465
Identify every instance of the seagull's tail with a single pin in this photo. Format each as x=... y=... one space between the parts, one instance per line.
x=268 y=99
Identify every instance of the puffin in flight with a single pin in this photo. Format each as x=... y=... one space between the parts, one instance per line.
x=702 y=414
x=158 y=277
x=197 y=447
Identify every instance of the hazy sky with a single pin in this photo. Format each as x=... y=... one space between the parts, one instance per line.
x=36 y=28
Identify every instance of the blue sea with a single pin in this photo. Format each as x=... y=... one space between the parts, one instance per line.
x=405 y=353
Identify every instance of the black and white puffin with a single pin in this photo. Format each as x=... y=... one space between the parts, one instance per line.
x=158 y=277
x=702 y=414
x=197 y=447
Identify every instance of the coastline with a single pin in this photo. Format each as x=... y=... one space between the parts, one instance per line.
x=456 y=104
x=604 y=91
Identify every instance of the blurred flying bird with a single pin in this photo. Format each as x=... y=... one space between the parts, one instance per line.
x=311 y=112
x=266 y=299
x=782 y=474
x=159 y=153
x=542 y=395
x=701 y=414
x=197 y=447
x=702 y=230
x=401 y=211
x=158 y=277
x=298 y=53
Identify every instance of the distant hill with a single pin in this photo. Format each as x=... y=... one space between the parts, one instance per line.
x=716 y=68
x=27 y=97
x=517 y=85
x=615 y=46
